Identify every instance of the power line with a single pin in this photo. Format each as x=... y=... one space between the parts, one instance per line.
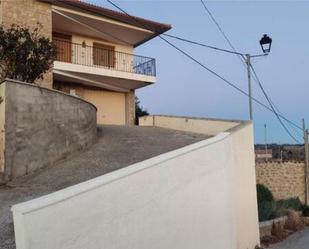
x=256 y=78
x=202 y=65
x=272 y=107
x=223 y=50
x=202 y=44
x=222 y=32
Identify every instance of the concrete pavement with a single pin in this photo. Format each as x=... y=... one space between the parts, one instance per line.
x=299 y=240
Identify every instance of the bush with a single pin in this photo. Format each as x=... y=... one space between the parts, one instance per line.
x=24 y=54
x=291 y=203
x=270 y=209
x=283 y=206
x=305 y=209
x=263 y=194
x=266 y=210
x=294 y=221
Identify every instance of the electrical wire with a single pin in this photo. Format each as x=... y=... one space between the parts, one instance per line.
x=220 y=49
x=202 y=44
x=272 y=107
x=241 y=57
x=205 y=67
x=256 y=78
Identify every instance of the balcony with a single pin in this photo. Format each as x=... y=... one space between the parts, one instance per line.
x=105 y=57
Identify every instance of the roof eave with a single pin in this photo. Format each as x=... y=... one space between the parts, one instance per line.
x=157 y=28
x=149 y=38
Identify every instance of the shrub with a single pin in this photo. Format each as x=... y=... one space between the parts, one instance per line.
x=294 y=221
x=305 y=209
x=263 y=194
x=266 y=210
x=291 y=203
x=24 y=54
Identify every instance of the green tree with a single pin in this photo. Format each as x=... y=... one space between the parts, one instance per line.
x=24 y=55
x=139 y=111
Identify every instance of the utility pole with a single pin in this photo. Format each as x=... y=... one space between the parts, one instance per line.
x=306 y=161
x=265 y=137
x=248 y=62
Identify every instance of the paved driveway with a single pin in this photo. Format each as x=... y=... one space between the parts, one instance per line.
x=298 y=240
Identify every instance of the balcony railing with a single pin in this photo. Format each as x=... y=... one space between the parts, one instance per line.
x=104 y=57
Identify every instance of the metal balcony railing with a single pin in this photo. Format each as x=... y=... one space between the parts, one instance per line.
x=102 y=56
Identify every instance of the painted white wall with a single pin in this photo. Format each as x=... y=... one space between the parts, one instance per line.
x=198 y=125
x=245 y=186
x=199 y=196
x=244 y=167
x=180 y=199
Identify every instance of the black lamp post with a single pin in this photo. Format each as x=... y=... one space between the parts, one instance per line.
x=265 y=43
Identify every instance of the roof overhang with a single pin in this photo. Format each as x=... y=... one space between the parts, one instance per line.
x=77 y=17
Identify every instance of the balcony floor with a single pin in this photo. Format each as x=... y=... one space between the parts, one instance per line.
x=117 y=147
x=100 y=77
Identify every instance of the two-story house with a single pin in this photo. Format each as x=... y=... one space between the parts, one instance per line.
x=95 y=52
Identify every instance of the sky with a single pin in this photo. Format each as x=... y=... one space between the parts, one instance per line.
x=184 y=88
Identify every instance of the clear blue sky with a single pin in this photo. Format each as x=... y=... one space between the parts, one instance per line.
x=183 y=88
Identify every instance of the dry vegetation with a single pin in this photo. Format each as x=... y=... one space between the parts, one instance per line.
x=295 y=222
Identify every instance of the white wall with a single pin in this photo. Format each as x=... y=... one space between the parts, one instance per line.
x=245 y=186
x=200 y=196
x=181 y=199
x=197 y=125
x=244 y=167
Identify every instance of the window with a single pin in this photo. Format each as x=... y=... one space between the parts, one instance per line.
x=103 y=55
x=64 y=47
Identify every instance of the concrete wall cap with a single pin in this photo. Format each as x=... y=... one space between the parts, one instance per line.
x=45 y=88
x=270 y=222
x=202 y=118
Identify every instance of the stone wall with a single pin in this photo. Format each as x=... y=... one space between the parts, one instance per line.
x=2 y=122
x=284 y=179
x=28 y=13
x=43 y=126
x=130 y=106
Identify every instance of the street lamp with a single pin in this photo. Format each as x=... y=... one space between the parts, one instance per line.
x=265 y=43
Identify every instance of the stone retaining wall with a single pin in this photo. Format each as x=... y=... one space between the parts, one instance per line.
x=266 y=226
x=42 y=126
x=284 y=179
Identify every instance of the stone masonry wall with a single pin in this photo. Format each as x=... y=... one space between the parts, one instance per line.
x=2 y=122
x=43 y=126
x=284 y=179
x=130 y=105
x=28 y=13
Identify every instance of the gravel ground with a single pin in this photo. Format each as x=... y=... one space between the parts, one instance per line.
x=117 y=147
x=299 y=240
